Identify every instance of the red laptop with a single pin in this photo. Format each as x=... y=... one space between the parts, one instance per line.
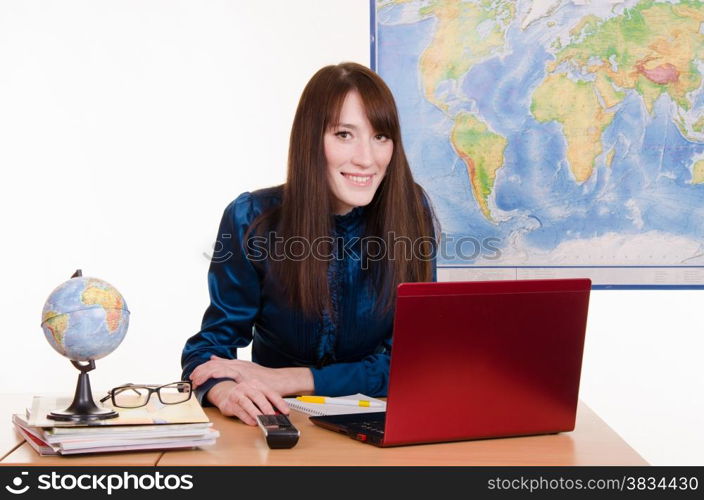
x=474 y=360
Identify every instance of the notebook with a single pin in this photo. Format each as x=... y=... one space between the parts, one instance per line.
x=320 y=410
x=154 y=413
x=475 y=360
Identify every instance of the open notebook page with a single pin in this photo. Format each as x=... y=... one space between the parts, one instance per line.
x=318 y=409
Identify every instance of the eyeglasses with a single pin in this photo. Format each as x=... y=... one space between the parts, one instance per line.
x=138 y=395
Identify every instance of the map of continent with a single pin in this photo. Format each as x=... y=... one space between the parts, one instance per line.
x=554 y=133
x=107 y=298
x=57 y=324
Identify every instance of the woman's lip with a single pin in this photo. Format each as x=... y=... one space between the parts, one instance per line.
x=367 y=178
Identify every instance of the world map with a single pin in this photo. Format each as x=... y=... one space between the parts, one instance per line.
x=557 y=133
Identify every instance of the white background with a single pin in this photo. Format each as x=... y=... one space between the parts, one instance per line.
x=127 y=127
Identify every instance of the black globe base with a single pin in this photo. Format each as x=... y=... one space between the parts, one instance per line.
x=83 y=408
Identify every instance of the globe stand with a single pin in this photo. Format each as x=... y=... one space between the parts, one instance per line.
x=83 y=408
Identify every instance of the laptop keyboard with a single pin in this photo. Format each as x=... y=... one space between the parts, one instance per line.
x=370 y=426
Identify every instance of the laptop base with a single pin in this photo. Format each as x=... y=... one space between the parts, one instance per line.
x=364 y=427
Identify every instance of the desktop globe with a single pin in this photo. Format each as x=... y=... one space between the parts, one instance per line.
x=84 y=319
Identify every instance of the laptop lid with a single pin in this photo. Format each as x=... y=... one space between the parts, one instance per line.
x=475 y=360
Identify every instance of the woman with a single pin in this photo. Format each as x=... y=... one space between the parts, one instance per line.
x=308 y=270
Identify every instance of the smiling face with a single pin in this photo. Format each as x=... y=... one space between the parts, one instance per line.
x=356 y=156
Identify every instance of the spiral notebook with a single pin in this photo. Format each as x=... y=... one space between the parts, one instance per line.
x=320 y=410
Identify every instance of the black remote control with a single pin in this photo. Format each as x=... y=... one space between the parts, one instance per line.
x=279 y=431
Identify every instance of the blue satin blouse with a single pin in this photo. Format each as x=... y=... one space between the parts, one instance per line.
x=347 y=354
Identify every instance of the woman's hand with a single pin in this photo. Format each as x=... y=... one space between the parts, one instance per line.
x=255 y=388
x=246 y=400
x=283 y=381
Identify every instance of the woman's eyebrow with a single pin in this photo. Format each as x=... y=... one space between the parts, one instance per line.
x=347 y=125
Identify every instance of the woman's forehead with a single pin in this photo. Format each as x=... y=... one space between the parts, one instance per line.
x=352 y=109
x=353 y=112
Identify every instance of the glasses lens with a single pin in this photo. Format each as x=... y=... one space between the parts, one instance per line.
x=131 y=397
x=178 y=392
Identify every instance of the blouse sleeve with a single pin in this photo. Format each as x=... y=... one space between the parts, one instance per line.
x=234 y=289
x=369 y=376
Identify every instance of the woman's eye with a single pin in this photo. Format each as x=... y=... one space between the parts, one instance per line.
x=382 y=137
x=343 y=134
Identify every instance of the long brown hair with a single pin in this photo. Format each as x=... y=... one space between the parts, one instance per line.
x=399 y=206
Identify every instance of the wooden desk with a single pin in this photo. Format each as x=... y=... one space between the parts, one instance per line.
x=14 y=451
x=592 y=443
x=9 y=439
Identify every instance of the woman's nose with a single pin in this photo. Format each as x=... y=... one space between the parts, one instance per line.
x=363 y=155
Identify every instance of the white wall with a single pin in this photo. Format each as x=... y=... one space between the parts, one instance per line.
x=125 y=129
x=643 y=371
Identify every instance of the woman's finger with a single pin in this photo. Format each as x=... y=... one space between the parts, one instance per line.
x=261 y=401
x=277 y=401
x=249 y=408
x=235 y=405
x=215 y=371
x=242 y=414
x=197 y=376
x=201 y=376
x=204 y=367
x=224 y=372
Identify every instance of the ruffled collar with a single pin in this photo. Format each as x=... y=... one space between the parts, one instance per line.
x=350 y=220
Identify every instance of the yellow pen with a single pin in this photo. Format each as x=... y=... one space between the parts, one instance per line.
x=340 y=401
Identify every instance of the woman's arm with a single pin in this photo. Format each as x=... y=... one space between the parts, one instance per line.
x=245 y=389
x=369 y=376
x=284 y=381
x=234 y=289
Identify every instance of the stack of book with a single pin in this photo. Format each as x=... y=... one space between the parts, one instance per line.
x=152 y=427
